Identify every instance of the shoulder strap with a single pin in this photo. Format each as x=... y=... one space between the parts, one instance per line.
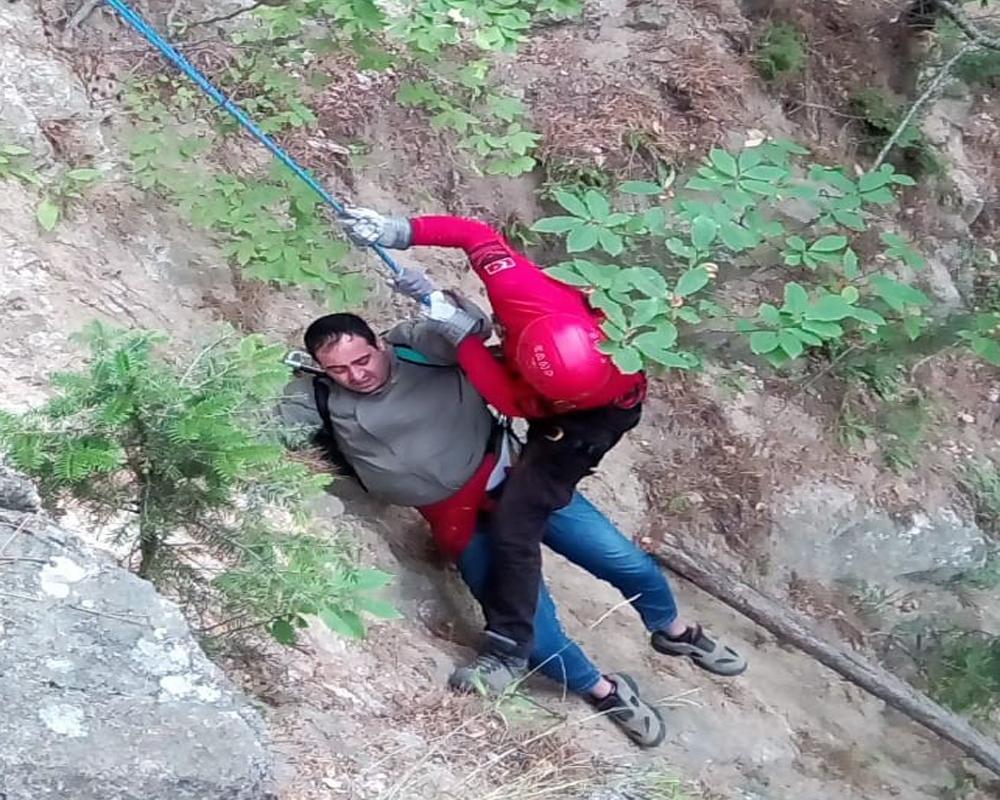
x=321 y=393
x=412 y=356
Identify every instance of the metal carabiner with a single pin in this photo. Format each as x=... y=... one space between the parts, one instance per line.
x=301 y=361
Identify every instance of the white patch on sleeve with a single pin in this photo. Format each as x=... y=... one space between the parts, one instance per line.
x=499 y=265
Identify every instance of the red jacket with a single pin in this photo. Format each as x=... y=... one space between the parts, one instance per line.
x=519 y=292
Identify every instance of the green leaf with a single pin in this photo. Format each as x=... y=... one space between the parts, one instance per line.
x=556 y=224
x=898 y=295
x=987 y=349
x=377 y=608
x=829 y=244
x=14 y=150
x=648 y=281
x=245 y=250
x=343 y=621
x=868 y=317
x=750 y=158
x=825 y=330
x=83 y=175
x=763 y=341
x=640 y=187
x=769 y=314
x=627 y=359
x=692 y=281
x=882 y=197
x=736 y=237
x=849 y=219
x=903 y=180
x=47 y=214
x=610 y=242
x=674 y=359
x=678 y=248
x=369 y=579
x=688 y=315
x=573 y=204
x=582 y=238
x=850 y=294
x=614 y=333
x=566 y=273
x=645 y=311
x=765 y=173
x=601 y=275
x=703 y=232
x=655 y=219
x=914 y=326
x=597 y=205
x=808 y=338
x=283 y=632
x=829 y=308
x=796 y=299
x=614 y=311
x=790 y=343
x=796 y=243
x=656 y=341
x=705 y=184
x=724 y=162
x=871 y=181
x=850 y=262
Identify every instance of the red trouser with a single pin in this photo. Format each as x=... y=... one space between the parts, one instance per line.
x=453 y=520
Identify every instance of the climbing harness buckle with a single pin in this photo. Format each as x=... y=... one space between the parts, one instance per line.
x=301 y=361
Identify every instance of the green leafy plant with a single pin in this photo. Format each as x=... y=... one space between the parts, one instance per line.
x=882 y=116
x=273 y=226
x=489 y=124
x=962 y=670
x=571 y=177
x=729 y=212
x=986 y=576
x=902 y=427
x=15 y=162
x=184 y=462
x=779 y=52
x=61 y=193
x=980 y=480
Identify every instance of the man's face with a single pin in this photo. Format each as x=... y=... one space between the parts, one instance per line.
x=355 y=364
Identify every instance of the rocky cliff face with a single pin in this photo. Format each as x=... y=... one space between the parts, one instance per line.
x=105 y=692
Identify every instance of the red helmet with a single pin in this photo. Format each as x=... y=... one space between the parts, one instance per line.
x=557 y=355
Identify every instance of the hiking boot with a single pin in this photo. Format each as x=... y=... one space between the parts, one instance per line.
x=494 y=670
x=707 y=653
x=641 y=722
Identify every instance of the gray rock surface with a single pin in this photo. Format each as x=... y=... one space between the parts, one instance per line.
x=36 y=88
x=822 y=531
x=105 y=692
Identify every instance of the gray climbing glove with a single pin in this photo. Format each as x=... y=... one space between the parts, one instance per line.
x=365 y=228
x=413 y=283
x=449 y=321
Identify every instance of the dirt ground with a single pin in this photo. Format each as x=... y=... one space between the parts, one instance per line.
x=370 y=720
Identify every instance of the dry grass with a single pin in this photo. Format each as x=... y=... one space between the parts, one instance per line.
x=680 y=105
x=713 y=481
x=465 y=750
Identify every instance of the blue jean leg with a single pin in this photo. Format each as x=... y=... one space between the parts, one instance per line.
x=590 y=540
x=553 y=653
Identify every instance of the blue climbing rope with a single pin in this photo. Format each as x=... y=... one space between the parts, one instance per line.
x=148 y=32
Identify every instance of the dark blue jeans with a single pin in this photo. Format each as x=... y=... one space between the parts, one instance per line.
x=590 y=540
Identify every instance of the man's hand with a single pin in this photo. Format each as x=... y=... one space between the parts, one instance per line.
x=365 y=228
x=413 y=283
x=451 y=323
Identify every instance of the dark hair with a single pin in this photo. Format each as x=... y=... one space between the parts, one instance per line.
x=329 y=329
